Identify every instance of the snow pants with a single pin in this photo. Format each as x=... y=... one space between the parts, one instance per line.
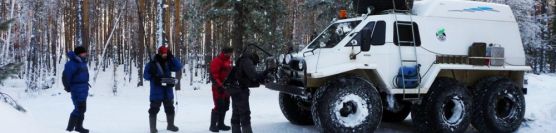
x=221 y=100
x=241 y=113
x=79 y=104
x=155 y=107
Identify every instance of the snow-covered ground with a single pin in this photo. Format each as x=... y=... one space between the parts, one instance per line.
x=540 y=113
x=126 y=112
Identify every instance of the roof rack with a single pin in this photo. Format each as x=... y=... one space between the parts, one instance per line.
x=390 y=11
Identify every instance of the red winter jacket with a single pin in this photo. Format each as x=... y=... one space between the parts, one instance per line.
x=220 y=67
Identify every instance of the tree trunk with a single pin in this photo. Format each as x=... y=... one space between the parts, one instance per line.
x=85 y=26
x=177 y=39
x=79 y=20
x=552 y=61
x=5 y=51
x=141 y=59
x=159 y=22
x=239 y=28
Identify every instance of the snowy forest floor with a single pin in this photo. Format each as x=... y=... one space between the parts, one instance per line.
x=48 y=111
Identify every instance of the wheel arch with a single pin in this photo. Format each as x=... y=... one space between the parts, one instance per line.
x=470 y=77
x=370 y=75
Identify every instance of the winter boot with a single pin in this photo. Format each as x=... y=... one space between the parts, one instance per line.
x=246 y=128
x=79 y=125
x=221 y=125
x=152 y=124
x=71 y=123
x=213 y=122
x=171 y=126
x=236 y=128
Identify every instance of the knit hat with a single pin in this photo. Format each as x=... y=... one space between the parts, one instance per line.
x=79 y=49
x=163 y=50
x=227 y=50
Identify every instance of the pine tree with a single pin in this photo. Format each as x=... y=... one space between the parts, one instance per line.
x=255 y=21
x=4 y=25
x=532 y=19
x=9 y=70
x=6 y=71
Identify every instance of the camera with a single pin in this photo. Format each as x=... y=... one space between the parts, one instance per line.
x=168 y=82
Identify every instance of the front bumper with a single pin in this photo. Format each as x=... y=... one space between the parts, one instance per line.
x=290 y=78
x=289 y=89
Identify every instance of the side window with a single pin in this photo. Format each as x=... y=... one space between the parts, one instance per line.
x=406 y=34
x=373 y=33
x=379 y=35
x=335 y=33
x=356 y=41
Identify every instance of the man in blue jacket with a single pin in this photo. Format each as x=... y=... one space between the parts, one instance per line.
x=76 y=80
x=158 y=72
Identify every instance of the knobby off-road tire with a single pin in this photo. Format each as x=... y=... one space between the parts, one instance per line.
x=295 y=109
x=348 y=104
x=499 y=106
x=445 y=108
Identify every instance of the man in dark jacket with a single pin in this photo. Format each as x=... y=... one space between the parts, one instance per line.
x=158 y=72
x=220 y=67
x=75 y=79
x=247 y=77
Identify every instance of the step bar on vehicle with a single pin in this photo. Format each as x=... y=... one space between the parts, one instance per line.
x=289 y=89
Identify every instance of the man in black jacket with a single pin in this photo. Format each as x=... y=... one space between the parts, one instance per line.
x=247 y=78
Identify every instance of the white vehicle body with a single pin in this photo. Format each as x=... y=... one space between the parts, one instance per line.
x=463 y=23
x=450 y=63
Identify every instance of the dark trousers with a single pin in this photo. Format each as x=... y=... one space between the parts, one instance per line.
x=241 y=113
x=168 y=107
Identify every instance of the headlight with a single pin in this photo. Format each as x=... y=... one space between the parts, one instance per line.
x=288 y=58
x=300 y=65
x=281 y=59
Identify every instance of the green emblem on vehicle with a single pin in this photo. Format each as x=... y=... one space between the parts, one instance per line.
x=441 y=34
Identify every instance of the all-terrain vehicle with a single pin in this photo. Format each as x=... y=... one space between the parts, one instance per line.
x=450 y=63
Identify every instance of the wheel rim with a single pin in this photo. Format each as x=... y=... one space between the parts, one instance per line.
x=505 y=106
x=453 y=110
x=351 y=110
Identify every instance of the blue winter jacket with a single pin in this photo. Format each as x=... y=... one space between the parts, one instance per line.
x=158 y=92
x=76 y=77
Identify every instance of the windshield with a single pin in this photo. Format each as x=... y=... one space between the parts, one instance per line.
x=333 y=34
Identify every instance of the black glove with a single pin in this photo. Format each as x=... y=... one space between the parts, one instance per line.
x=220 y=90
x=67 y=89
x=269 y=70
x=265 y=75
x=155 y=80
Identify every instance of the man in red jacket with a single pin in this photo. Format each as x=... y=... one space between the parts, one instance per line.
x=220 y=67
